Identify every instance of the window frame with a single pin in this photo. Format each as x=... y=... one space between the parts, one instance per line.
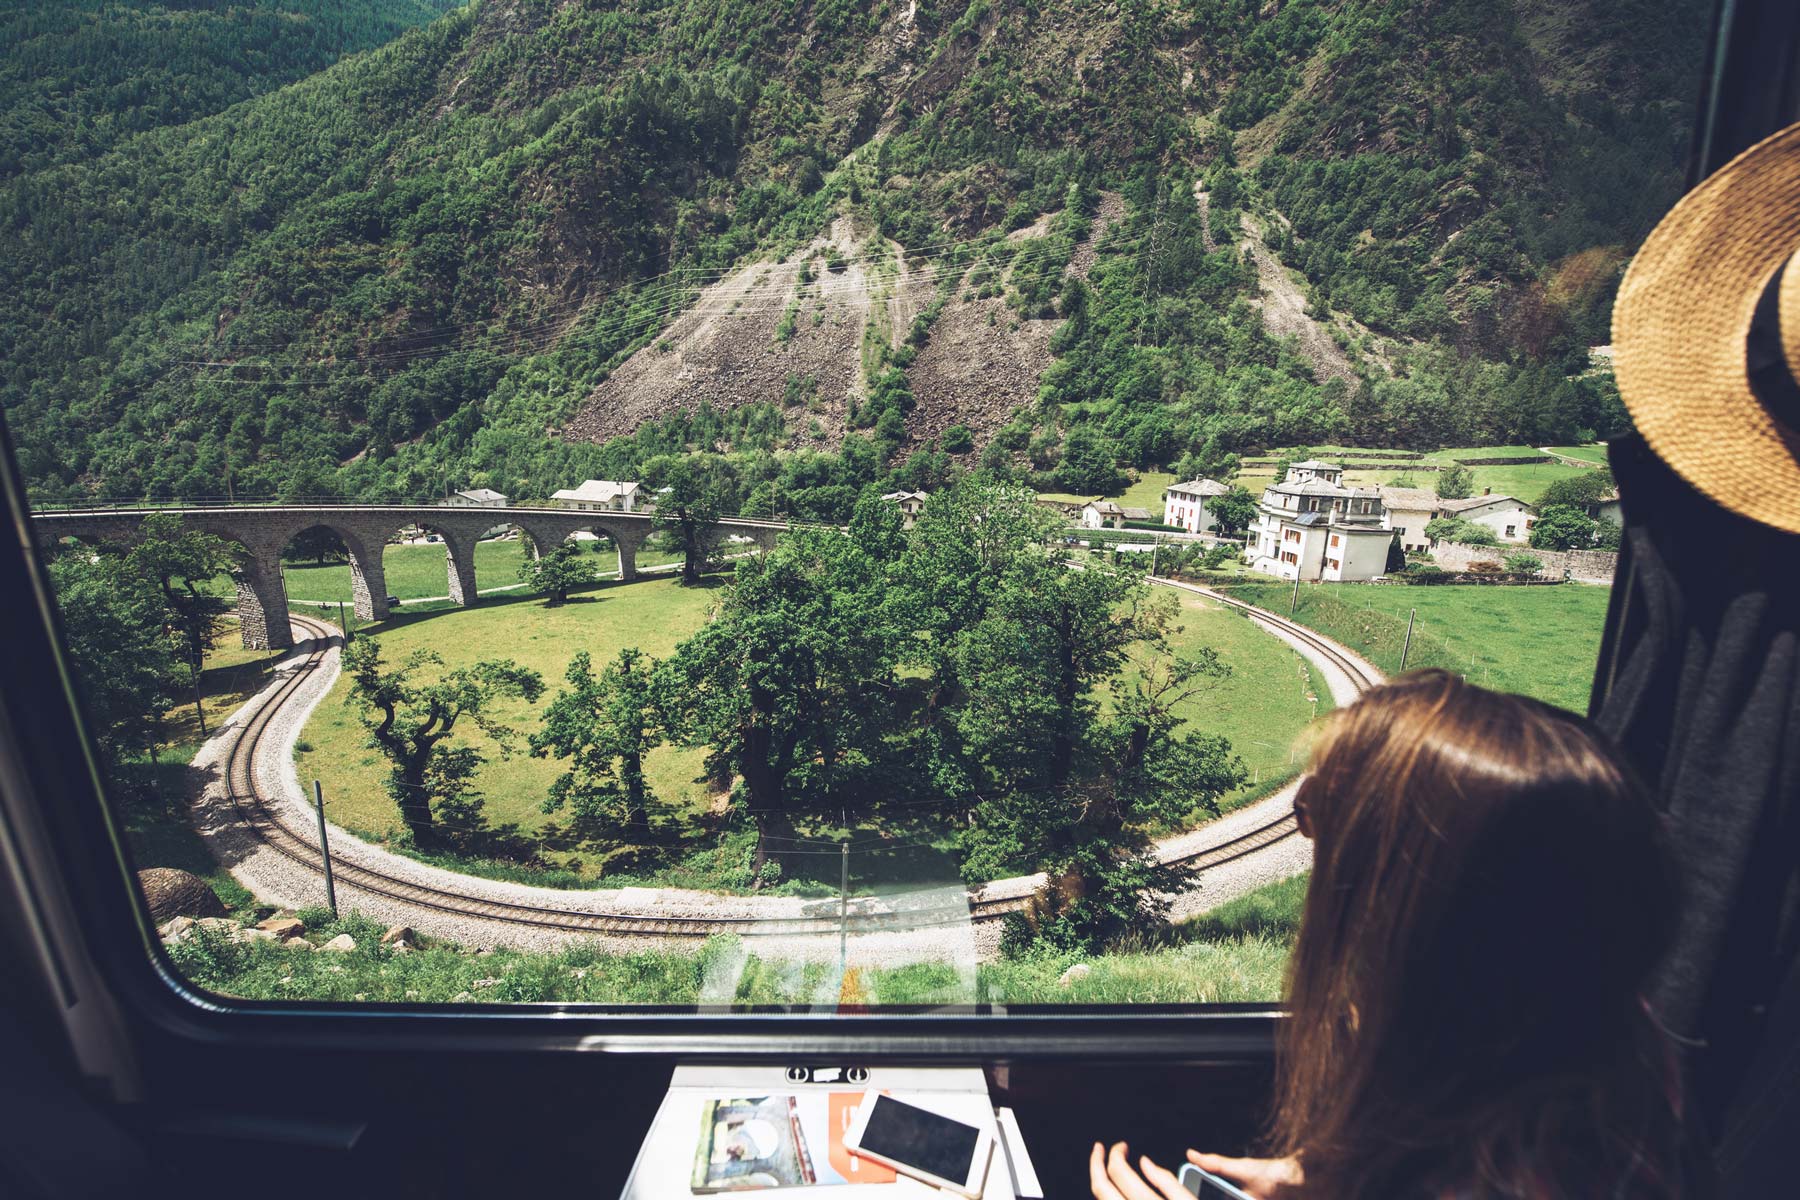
x=67 y=860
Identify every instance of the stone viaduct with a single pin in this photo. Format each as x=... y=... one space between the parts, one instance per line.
x=264 y=530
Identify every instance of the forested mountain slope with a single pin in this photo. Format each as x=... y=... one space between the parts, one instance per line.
x=429 y=261
x=78 y=75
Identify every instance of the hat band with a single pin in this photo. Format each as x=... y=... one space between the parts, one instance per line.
x=1771 y=377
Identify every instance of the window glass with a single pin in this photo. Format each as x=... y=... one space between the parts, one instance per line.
x=688 y=492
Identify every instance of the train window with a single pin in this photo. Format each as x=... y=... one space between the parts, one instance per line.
x=825 y=512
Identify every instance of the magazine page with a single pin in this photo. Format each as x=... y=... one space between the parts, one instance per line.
x=759 y=1142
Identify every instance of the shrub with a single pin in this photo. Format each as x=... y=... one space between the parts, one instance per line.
x=1524 y=564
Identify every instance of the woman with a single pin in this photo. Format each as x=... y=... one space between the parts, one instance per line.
x=1488 y=894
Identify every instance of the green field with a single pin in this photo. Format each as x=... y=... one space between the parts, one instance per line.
x=1265 y=703
x=419 y=571
x=1261 y=707
x=1526 y=481
x=652 y=615
x=1595 y=454
x=1541 y=641
x=1146 y=491
x=1237 y=953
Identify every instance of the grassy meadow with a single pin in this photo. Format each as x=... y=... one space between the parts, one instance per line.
x=1541 y=641
x=1595 y=454
x=415 y=572
x=1237 y=953
x=1146 y=491
x=651 y=614
x=1262 y=708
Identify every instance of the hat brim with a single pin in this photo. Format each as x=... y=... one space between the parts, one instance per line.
x=1679 y=327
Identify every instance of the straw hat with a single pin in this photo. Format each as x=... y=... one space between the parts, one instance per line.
x=1706 y=335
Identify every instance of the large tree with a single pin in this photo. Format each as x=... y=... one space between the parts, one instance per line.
x=1234 y=510
x=689 y=509
x=1069 y=784
x=788 y=685
x=182 y=564
x=412 y=711
x=1563 y=527
x=1455 y=482
x=557 y=571
x=603 y=726
x=125 y=667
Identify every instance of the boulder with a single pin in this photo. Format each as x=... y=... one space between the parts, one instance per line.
x=342 y=941
x=172 y=930
x=172 y=893
x=1078 y=971
x=297 y=943
x=397 y=935
x=283 y=928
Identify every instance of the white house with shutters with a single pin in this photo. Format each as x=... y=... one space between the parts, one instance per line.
x=1185 y=504
x=1310 y=526
x=602 y=495
x=1510 y=518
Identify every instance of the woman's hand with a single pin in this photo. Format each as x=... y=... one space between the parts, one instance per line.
x=1264 y=1178
x=1112 y=1178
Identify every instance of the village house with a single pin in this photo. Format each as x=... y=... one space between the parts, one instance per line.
x=1109 y=514
x=1185 y=504
x=476 y=498
x=911 y=505
x=1310 y=526
x=601 y=495
x=479 y=498
x=1510 y=518
x=1409 y=511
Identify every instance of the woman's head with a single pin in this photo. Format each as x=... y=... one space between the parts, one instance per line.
x=1489 y=892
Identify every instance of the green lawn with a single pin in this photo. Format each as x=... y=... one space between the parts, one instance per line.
x=1594 y=454
x=1144 y=492
x=1237 y=953
x=651 y=614
x=1542 y=641
x=1261 y=707
x=1265 y=703
x=415 y=572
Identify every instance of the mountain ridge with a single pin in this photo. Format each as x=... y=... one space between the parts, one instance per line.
x=424 y=260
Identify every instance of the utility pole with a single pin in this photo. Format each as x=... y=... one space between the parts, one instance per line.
x=844 y=912
x=343 y=623
x=199 y=709
x=1405 y=649
x=1294 y=604
x=325 y=850
x=1155 y=548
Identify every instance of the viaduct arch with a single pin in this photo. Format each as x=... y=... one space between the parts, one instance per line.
x=264 y=530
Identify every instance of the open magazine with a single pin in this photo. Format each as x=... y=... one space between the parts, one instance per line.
x=780 y=1141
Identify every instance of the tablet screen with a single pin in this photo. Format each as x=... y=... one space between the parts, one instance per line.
x=922 y=1140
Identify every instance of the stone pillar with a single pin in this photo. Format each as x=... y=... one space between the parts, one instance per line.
x=368 y=583
x=262 y=603
x=628 y=549
x=459 y=564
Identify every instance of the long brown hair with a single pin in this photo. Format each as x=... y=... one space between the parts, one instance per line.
x=1489 y=891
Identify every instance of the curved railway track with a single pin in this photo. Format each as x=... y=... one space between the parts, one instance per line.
x=266 y=821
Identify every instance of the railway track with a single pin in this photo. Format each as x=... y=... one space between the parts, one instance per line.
x=265 y=820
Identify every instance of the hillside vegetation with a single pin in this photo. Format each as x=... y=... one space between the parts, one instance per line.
x=428 y=260
x=79 y=76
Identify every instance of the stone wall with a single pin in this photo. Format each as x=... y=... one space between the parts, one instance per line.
x=1583 y=566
